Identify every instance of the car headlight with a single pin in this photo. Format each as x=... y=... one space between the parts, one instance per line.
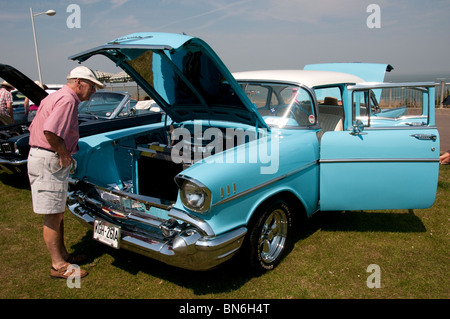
x=194 y=195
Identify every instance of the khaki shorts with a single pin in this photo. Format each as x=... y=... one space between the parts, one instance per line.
x=49 y=182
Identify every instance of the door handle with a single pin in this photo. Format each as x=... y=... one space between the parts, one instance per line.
x=425 y=136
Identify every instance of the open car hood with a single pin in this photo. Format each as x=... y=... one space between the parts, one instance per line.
x=22 y=83
x=369 y=72
x=182 y=74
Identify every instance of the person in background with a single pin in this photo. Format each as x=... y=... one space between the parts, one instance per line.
x=6 y=107
x=445 y=158
x=30 y=107
x=53 y=140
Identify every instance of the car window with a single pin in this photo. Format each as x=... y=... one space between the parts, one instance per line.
x=329 y=101
x=328 y=95
x=100 y=104
x=391 y=106
x=258 y=95
x=17 y=96
x=281 y=105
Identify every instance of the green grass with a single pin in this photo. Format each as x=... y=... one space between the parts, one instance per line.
x=328 y=260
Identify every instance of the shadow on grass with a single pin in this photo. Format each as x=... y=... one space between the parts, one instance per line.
x=18 y=180
x=229 y=276
x=233 y=274
x=361 y=221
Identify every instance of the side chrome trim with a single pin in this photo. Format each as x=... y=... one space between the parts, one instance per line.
x=380 y=160
x=267 y=183
x=408 y=127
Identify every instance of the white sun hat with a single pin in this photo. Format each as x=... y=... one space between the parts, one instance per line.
x=4 y=83
x=82 y=72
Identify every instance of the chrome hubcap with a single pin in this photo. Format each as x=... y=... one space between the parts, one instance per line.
x=273 y=236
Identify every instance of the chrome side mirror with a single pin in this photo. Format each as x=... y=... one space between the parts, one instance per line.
x=358 y=127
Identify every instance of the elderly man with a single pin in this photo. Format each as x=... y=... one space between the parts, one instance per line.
x=53 y=140
x=6 y=108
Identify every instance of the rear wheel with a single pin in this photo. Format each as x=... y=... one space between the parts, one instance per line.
x=269 y=235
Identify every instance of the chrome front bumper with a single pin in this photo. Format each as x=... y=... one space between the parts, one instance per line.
x=194 y=248
x=12 y=165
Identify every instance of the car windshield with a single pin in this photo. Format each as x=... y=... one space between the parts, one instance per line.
x=17 y=96
x=281 y=105
x=101 y=104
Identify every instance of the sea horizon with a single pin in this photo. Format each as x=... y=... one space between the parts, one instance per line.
x=432 y=77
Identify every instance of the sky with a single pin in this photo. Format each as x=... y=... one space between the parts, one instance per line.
x=411 y=35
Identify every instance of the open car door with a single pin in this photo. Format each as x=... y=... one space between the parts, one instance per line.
x=388 y=158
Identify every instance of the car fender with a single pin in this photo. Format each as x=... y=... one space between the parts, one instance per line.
x=238 y=189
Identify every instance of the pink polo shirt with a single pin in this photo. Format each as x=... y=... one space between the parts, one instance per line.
x=57 y=113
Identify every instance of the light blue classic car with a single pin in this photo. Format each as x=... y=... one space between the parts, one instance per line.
x=240 y=159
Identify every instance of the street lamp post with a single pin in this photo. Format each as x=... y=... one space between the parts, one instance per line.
x=49 y=13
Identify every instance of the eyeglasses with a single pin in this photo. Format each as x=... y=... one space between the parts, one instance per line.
x=91 y=86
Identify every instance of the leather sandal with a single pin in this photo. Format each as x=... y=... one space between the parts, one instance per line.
x=64 y=273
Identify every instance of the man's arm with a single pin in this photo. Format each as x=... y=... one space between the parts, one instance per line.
x=10 y=109
x=26 y=105
x=57 y=143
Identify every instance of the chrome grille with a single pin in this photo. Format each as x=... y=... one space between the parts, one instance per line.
x=6 y=148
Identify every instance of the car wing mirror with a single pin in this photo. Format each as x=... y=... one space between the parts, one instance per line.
x=358 y=128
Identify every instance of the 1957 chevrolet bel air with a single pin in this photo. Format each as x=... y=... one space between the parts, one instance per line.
x=241 y=158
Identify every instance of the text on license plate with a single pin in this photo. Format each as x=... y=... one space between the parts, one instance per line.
x=107 y=233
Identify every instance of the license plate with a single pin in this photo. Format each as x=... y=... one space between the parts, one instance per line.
x=107 y=233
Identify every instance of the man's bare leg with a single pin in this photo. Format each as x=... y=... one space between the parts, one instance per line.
x=54 y=239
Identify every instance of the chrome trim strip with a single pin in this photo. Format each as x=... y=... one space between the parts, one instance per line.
x=406 y=127
x=13 y=161
x=141 y=218
x=146 y=200
x=379 y=160
x=194 y=252
x=193 y=220
x=381 y=85
x=221 y=241
x=203 y=227
x=272 y=181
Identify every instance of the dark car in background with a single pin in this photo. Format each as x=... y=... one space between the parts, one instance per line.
x=105 y=111
x=20 y=117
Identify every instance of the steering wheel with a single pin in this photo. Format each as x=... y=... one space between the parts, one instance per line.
x=295 y=112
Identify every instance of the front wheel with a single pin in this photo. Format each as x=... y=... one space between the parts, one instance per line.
x=269 y=235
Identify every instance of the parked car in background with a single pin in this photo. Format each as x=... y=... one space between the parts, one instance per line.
x=107 y=105
x=244 y=157
x=18 y=107
x=18 y=104
x=105 y=111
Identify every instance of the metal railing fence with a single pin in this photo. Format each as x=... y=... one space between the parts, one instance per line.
x=389 y=97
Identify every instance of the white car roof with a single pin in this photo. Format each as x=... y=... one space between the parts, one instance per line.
x=306 y=77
